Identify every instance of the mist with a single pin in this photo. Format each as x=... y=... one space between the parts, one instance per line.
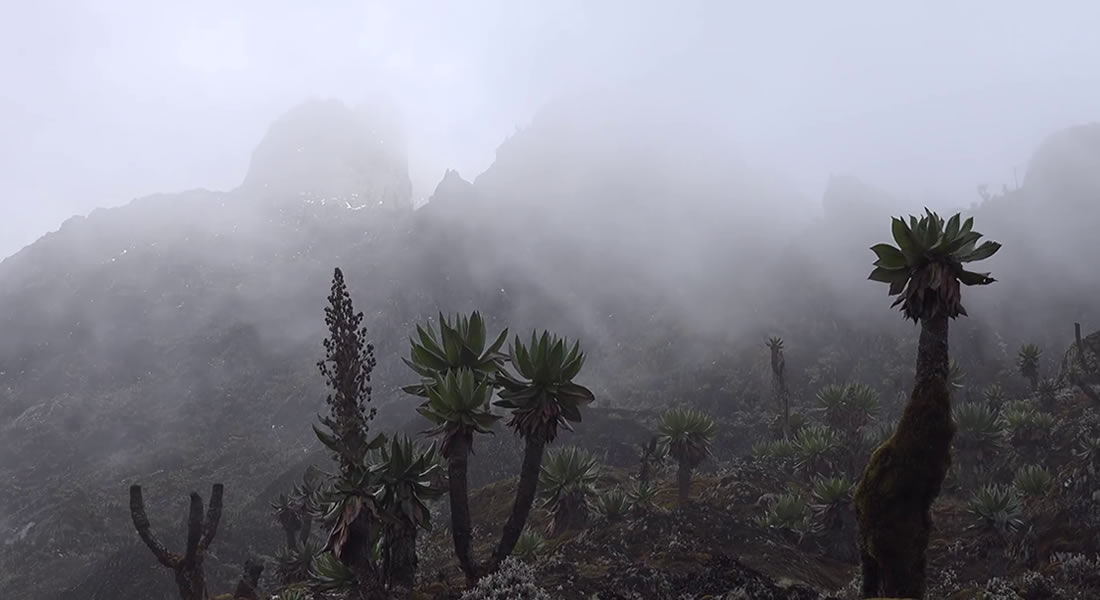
x=106 y=101
x=670 y=185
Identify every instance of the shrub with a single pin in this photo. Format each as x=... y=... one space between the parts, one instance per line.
x=1032 y=480
x=996 y=507
x=979 y=432
x=875 y=435
x=328 y=574
x=774 y=450
x=292 y=593
x=514 y=580
x=613 y=504
x=832 y=490
x=994 y=395
x=568 y=482
x=814 y=450
x=1048 y=392
x=642 y=496
x=529 y=545
x=789 y=512
x=848 y=407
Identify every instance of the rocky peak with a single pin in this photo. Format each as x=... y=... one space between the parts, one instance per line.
x=324 y=150
x=847 y=196
x=453 y=188
x=1065 y=155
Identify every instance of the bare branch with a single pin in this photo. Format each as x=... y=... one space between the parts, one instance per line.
x=194 y=528
x=213 y=517
x=141 y=523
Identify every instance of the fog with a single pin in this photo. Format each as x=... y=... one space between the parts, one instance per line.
x=669 y=183
x=108 y=100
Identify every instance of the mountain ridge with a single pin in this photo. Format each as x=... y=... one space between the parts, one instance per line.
x=158 y=340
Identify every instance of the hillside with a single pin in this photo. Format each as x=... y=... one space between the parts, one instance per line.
x=172 y=341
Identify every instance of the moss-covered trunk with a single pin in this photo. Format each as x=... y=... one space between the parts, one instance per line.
x=458 y=457
x=525 y=498
x=904 y=476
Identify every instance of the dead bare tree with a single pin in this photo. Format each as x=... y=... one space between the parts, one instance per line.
x=779 y=384
x=1080 y=381
x=201 y=530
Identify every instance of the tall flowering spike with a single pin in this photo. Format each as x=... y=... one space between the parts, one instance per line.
x=347 y=366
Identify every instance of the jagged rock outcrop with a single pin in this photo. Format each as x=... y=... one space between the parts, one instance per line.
x=1081 y=364
x=1069 y=162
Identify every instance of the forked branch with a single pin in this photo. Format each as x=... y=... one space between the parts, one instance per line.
x=200 y=534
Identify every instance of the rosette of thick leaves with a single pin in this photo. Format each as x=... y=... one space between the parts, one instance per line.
x=353 y=497
x=568 y=479
x=459 y=344
x=405 y=473
x=328 y=574
x=687 y=434
x=458 y=404
x=925 y=269
x=541 y=393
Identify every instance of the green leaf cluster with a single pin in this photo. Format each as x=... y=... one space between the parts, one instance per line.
x=458 y=344
x=688 y=433
x=613 y=504
x=568 y=476
x=541 y=393
x=458 y=404
x=996 y=507
x=925 y=267
x=848 y=407
x=407 y=474
x=1032 y=480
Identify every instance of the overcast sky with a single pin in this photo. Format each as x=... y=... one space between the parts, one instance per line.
x=102 y=101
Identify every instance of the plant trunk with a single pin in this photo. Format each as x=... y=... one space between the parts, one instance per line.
x=571 y=514
x=307 y=529
x=786 y=410
x=525 y=498
x=905 y=475
x=191 y=580
x=683 y=481
x=401 y=557
x=779 y=389
x=458 y=456
x=359 y=550
x=291 y=536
